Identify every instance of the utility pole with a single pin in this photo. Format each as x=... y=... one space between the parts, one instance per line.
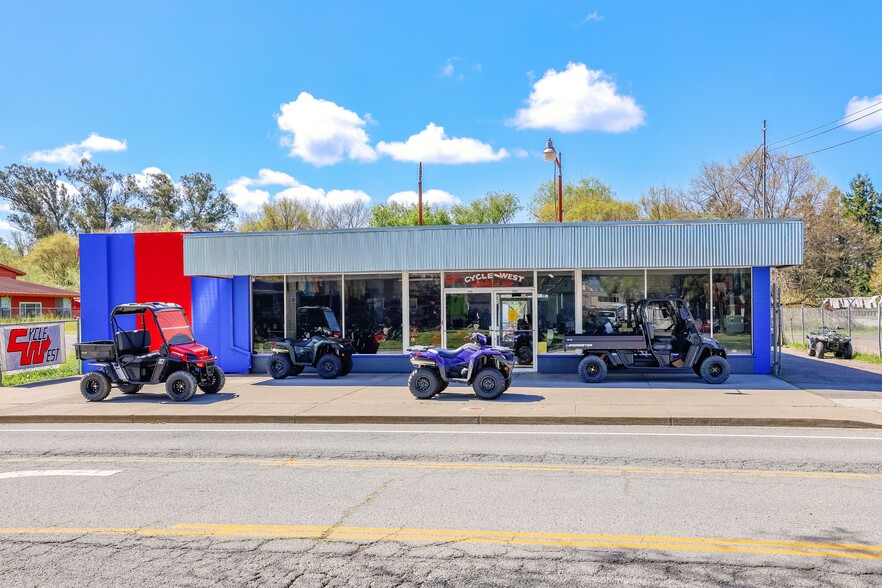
x=765 y=204
x=420 y=196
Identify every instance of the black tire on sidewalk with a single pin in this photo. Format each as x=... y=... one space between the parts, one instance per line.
x=819 y=349
x=130 y=388
x=489 y=384
x=329 y=366
x=849 y=351
x=181 y=386
x=215 y=383
x=279 y=366
x=424 y=383
x=715 y=369
x=592 y=369
x=95 y=386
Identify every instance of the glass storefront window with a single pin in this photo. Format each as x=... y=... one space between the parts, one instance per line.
x=692 y=286
x=732 y=304
x=373 y=313
x=425 y=309
x=557 y=308
x=466 y=314
x=268 y=311
x=608 y=297
x=305 y=293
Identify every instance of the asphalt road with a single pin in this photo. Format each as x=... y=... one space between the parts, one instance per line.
x=438 y=506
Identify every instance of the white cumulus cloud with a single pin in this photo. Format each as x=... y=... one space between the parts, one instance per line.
x=249 y=195
x=433 y=197
x=142 y=178
x=74 y=152
x=323 y=133
x=861 y=107
x=578 y=99
x=432 y=145
x=592 y=17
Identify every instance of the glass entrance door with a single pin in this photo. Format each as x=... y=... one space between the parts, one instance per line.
x=466 y=313
x=513 y=325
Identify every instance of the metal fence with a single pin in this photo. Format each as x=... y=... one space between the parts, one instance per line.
x=45 y=313
x=863 y=325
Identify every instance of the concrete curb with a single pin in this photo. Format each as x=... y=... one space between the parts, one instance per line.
x=442 y=420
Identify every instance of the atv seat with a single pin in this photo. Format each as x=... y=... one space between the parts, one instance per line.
x=451 y=353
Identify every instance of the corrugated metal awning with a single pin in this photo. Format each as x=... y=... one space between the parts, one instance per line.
x=663 y=244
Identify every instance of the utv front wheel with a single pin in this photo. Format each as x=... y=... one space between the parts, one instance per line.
x=181 y=386
x=592 y=369
x=95 y=386
x=215 y=381
x=489 y=384
x=279 y=366
x=715 y=369
x=130 y=388
x=819 y=349
x=329 y=366
x=424 y=383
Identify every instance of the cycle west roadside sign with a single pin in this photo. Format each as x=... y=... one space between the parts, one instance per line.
x=35 y=345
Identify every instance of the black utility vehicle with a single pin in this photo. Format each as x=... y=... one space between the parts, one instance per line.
x=319 y=343
x=664 y=337
x=830 y=340
x=127 y=362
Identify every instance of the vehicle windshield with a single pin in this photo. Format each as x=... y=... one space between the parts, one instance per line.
x=332 y=320
x=175 y=327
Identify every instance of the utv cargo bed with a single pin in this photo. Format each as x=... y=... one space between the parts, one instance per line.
x=95 y=351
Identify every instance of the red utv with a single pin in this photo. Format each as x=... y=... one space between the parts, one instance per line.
x=128 y=363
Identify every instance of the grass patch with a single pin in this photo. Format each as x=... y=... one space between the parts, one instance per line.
x=70 y=368
x=795 y=345
x=867 y=358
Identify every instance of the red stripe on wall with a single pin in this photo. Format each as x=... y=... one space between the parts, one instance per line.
x=159 y=272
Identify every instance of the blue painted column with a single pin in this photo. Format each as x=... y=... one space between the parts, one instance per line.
x=761 y=321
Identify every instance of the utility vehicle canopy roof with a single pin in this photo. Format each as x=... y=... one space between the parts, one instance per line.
x=141 y=308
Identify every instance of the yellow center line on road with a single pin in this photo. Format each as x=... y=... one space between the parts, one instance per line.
x=422 y=465
x=507 y=538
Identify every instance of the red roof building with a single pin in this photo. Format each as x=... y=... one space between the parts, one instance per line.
x=19 y=298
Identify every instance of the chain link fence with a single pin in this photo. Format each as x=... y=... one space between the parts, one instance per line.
x=863 y=325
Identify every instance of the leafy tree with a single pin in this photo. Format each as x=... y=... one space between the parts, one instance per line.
x=57 y=259
x=395 y=214
x=875 y=284
x=285 y=214
x=160 y=203
x=104 y=197
x=665 y=203
x=39 y=204
x=490 y=209
x=203 y=206
x=863 y=203
x=588 y=200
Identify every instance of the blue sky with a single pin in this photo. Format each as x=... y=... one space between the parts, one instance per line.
x=339 y=100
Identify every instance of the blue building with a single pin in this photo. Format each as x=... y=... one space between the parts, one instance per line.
x=524 y=285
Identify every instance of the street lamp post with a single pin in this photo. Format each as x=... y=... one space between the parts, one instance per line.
x=552 y=155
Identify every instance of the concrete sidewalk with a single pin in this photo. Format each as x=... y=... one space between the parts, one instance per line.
x=745 y=400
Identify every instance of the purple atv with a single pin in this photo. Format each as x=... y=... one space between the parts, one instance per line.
x=485 y=367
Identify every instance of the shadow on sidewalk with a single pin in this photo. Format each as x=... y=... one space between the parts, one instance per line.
x=160 y=398
x=829 y=374
x=467 y=395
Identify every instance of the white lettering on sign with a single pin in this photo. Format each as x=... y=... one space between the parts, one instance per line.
x=493 y=276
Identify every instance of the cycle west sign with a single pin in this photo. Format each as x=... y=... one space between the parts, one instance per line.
x=25 y=346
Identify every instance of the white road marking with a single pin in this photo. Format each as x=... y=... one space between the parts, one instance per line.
x=40 y=473
x=453 y=432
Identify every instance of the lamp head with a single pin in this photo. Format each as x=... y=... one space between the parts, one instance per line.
x=549 y=152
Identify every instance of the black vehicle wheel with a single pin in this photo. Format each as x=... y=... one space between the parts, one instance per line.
x=295 y=370
x=180 y=386
x=347 y=366
x=130 y=388
x=329 y=366
x=715 y=369
x=848 y=353
x=811 y=351
x=215 y=382
x=489 y=384
x=279 y=366
x=508 y=382
x=525 y=355
x=592 y=369
x=424 y=383
x=819 y=349
x=95 y=386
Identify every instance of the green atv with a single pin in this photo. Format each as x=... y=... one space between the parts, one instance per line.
x=318 y=343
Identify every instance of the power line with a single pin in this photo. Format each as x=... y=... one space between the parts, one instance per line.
x=836 y=145
x=828 y=124
x=828 y=130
